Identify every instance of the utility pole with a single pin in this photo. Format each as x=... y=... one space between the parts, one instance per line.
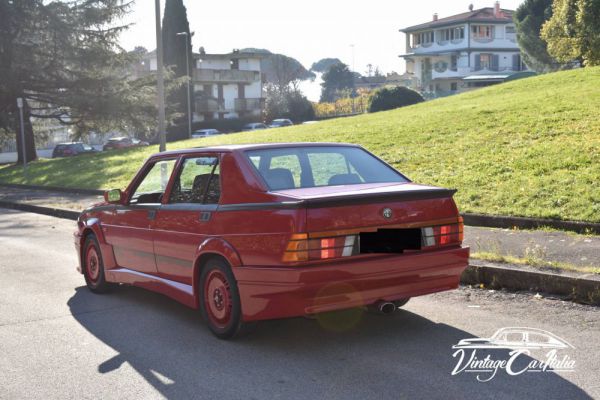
x=23 y=147
x=187 y=66
x=160 y=79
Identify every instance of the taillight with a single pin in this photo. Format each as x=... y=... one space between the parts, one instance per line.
x=442 y=235
x=301 y=248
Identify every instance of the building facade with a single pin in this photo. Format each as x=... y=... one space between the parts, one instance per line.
x=224 y=85
x=228 y=85
x=465 y=51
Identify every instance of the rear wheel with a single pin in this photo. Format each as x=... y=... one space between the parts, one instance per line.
x=93 y=267
x=220 y=300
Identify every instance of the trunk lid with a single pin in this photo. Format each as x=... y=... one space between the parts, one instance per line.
x=373 y=205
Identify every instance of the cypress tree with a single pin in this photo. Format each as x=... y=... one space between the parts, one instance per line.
x=174 y=56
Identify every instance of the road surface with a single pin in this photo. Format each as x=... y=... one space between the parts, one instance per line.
x=57 y=340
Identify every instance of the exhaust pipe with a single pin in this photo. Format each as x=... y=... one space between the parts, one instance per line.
x=382 y=307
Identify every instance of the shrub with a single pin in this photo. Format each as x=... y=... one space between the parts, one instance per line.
x=388 y=99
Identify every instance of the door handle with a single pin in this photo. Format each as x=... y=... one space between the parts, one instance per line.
x=151 y=214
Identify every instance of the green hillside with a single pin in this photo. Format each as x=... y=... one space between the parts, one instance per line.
x=529 y=147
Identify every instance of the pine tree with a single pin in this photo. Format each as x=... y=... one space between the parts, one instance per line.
x=64 y=60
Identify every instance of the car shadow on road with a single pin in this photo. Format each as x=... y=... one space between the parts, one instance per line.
x=350 y=355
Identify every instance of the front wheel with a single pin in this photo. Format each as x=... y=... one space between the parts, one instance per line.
x=220 y=300
x=93 y=267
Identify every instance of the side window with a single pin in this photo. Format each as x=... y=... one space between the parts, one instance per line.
x=198 y=182
x=152 y=187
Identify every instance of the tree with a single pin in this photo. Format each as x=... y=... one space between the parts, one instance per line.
x=282 y=71
x=64 y=60
x=290 y=104
x=573 y=31
x=324 y=64
x=175 y=48
x=529 y=18
x=388 y=99
x=335 y=80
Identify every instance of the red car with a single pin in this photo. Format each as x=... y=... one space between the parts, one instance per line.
x=253 y=232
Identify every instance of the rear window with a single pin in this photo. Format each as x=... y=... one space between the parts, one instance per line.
x=305 y=167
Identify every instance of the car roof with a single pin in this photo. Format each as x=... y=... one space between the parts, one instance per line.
x=249 y=146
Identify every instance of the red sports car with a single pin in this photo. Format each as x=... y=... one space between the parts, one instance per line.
x=253 y=232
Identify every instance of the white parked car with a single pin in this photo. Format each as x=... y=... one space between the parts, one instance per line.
x=255 y=126
x=204 y=133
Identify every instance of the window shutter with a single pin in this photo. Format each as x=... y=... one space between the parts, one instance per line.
x=477 y=62
x=495 y=59
x=516 y=62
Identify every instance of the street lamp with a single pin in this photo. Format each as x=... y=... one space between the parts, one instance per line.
x=187 y=66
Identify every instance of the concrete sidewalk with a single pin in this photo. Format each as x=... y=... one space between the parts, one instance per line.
x=555 y=246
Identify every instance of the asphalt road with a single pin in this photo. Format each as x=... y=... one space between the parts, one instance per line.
x=57 y=340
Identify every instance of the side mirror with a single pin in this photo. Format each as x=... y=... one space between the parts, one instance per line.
x=114 y=196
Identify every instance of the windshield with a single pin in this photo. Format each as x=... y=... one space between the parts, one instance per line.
x=314 y=166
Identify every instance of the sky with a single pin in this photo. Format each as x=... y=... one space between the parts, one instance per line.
x=308 y=30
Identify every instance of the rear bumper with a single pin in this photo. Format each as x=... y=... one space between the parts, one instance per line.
x=271 y=292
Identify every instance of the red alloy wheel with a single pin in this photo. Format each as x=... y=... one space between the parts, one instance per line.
x=92 y=264
x=217 y=299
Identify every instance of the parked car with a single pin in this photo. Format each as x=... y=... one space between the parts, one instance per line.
x=123 y=142
x=204 y=133
x=254 y=232
x=72 y=149
x=309 y=122
x=277 y=123
x=255 y=126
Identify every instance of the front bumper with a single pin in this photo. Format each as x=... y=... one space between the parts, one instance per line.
x=77 y=243
x=279 y=292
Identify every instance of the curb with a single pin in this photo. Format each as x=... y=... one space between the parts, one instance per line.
x=54 y=189
x=581 y=288
x=500 y=221
x=53 y=212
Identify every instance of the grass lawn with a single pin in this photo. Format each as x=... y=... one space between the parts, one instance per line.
x=526 y=148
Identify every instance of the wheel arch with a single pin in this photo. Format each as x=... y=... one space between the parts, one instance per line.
x=212 y=248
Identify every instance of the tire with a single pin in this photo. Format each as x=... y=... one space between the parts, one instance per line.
x=220 y=304
x=93 y=266
x=401 y=302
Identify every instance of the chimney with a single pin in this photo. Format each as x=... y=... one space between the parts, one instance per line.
x=435 y=17
x=497 y=12
x=471 y=7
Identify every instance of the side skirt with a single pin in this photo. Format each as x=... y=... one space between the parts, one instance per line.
x=176 y=290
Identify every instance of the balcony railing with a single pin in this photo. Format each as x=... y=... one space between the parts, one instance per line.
x=498 y=69
x=209 y=105
x=225 y=76
x=249 y=104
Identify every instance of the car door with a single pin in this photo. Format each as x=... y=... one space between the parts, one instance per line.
x=183 y=221
x=129 y=229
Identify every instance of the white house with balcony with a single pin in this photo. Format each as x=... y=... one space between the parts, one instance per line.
x=228 y=85
x=224 y=85
x=465 y=51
